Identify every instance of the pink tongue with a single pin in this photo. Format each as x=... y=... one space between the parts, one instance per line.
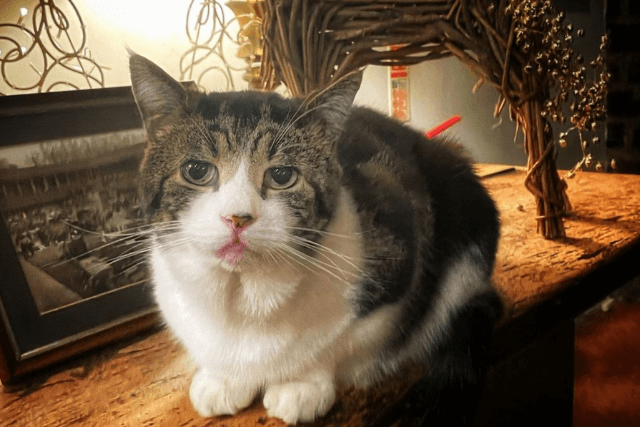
x=231 y=252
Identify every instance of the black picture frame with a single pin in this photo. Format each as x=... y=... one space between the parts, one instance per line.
x=31 y=338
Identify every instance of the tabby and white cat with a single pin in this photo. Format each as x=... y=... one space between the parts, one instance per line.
x=305 y=245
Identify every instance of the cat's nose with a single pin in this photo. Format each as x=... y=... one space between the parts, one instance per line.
x=238 y=221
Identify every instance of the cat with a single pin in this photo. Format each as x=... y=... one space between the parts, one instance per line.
x=302 y=245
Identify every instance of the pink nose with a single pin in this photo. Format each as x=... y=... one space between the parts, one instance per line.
x=238 y=221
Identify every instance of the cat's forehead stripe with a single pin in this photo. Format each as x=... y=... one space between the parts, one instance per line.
x=246 y=104
x=256 y=140
x=264 y=139
x=251 y=117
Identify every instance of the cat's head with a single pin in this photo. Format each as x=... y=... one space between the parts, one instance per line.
x=239 y=173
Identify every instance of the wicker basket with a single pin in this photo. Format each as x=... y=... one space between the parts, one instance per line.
x=515 y=46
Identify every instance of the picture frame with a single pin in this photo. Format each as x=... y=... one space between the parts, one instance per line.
x=69 y=215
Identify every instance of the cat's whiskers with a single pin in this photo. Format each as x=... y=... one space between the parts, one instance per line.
x=273 y=258
x=176 y=243
x=286 y=259
x=126 y=240
x=330 y=262
x=289 y=255
x=102 y=233
x=323 y=250
x=351 y=236
x=310 y=262
x=348 y=237
x=140 y=250
x=318 y=247
x=137 y=242
x=263 y=245
x=132 y=242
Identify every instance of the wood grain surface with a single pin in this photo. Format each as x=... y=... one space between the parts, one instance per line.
x=144 y=381
x=605 y=222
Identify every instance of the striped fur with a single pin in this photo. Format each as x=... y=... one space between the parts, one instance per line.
x=359 y=247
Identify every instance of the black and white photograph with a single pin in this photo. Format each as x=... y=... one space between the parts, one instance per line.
x=72 y=210
x=72 y=231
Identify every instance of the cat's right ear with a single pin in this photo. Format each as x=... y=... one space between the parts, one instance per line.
x=161 y=99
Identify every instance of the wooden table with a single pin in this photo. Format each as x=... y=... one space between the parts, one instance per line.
x=144 y=381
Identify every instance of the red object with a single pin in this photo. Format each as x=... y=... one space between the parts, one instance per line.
x=442 y=126
x=399 y=73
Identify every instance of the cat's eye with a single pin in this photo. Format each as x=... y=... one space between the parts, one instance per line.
x=199 y=172
x=281 y=177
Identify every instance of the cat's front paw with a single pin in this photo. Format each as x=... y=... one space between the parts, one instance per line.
x=299 y=401
x=211 y=395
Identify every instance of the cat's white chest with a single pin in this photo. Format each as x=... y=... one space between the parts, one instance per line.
x=224 y=322
x=267 y=321
x=204 y=308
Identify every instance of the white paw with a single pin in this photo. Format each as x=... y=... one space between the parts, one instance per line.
x=211 y=395
x=299 y=401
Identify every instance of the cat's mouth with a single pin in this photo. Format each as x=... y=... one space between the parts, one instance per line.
x=233 y=250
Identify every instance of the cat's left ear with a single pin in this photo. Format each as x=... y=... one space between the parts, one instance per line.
x=332 y=104
x=161 y=99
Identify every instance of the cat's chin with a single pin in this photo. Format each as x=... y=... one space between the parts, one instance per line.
x=237 y=260
x=232 y=265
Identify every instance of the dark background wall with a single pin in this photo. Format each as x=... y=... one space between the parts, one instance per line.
x=623 y=101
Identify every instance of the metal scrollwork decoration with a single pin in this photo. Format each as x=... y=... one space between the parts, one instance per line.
x=212 y=36
x=53 y=47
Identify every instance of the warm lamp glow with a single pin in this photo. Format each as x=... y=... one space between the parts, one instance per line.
x=150 y=17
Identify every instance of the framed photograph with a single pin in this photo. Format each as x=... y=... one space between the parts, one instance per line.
x=72 y=270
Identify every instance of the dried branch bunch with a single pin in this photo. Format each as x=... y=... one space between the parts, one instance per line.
x=520 y=47
x=540 y=30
